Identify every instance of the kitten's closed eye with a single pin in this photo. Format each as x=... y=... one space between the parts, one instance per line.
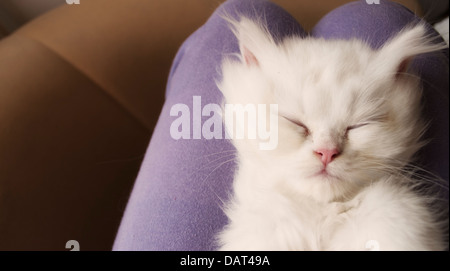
x=299 y=124
x=379 y=118
x=356 y=126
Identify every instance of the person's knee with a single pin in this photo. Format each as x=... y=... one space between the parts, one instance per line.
x=279 y=22
x=372 y=21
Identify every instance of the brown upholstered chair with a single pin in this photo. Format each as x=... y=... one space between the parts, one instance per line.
x=81 y=88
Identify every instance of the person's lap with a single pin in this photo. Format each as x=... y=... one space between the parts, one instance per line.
x=177 y=198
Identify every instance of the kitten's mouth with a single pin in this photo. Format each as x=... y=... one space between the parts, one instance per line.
x=324 y=174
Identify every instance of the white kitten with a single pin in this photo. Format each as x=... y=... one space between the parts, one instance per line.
x=349 y=121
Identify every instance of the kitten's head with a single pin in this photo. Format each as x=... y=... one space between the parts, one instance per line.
x=347 y=114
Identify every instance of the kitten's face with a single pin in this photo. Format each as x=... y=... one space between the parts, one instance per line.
x=346 y=117
x=340 y=127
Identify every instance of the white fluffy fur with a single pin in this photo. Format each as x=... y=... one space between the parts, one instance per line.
x=328 y=85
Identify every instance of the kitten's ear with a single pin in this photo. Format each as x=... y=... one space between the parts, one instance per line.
x=254 y=39
x=397 y=53
x=249 y=58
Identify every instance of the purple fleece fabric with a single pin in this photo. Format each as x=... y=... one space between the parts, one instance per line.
x=177 y=198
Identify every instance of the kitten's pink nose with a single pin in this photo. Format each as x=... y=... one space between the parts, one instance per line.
x=327 y=155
